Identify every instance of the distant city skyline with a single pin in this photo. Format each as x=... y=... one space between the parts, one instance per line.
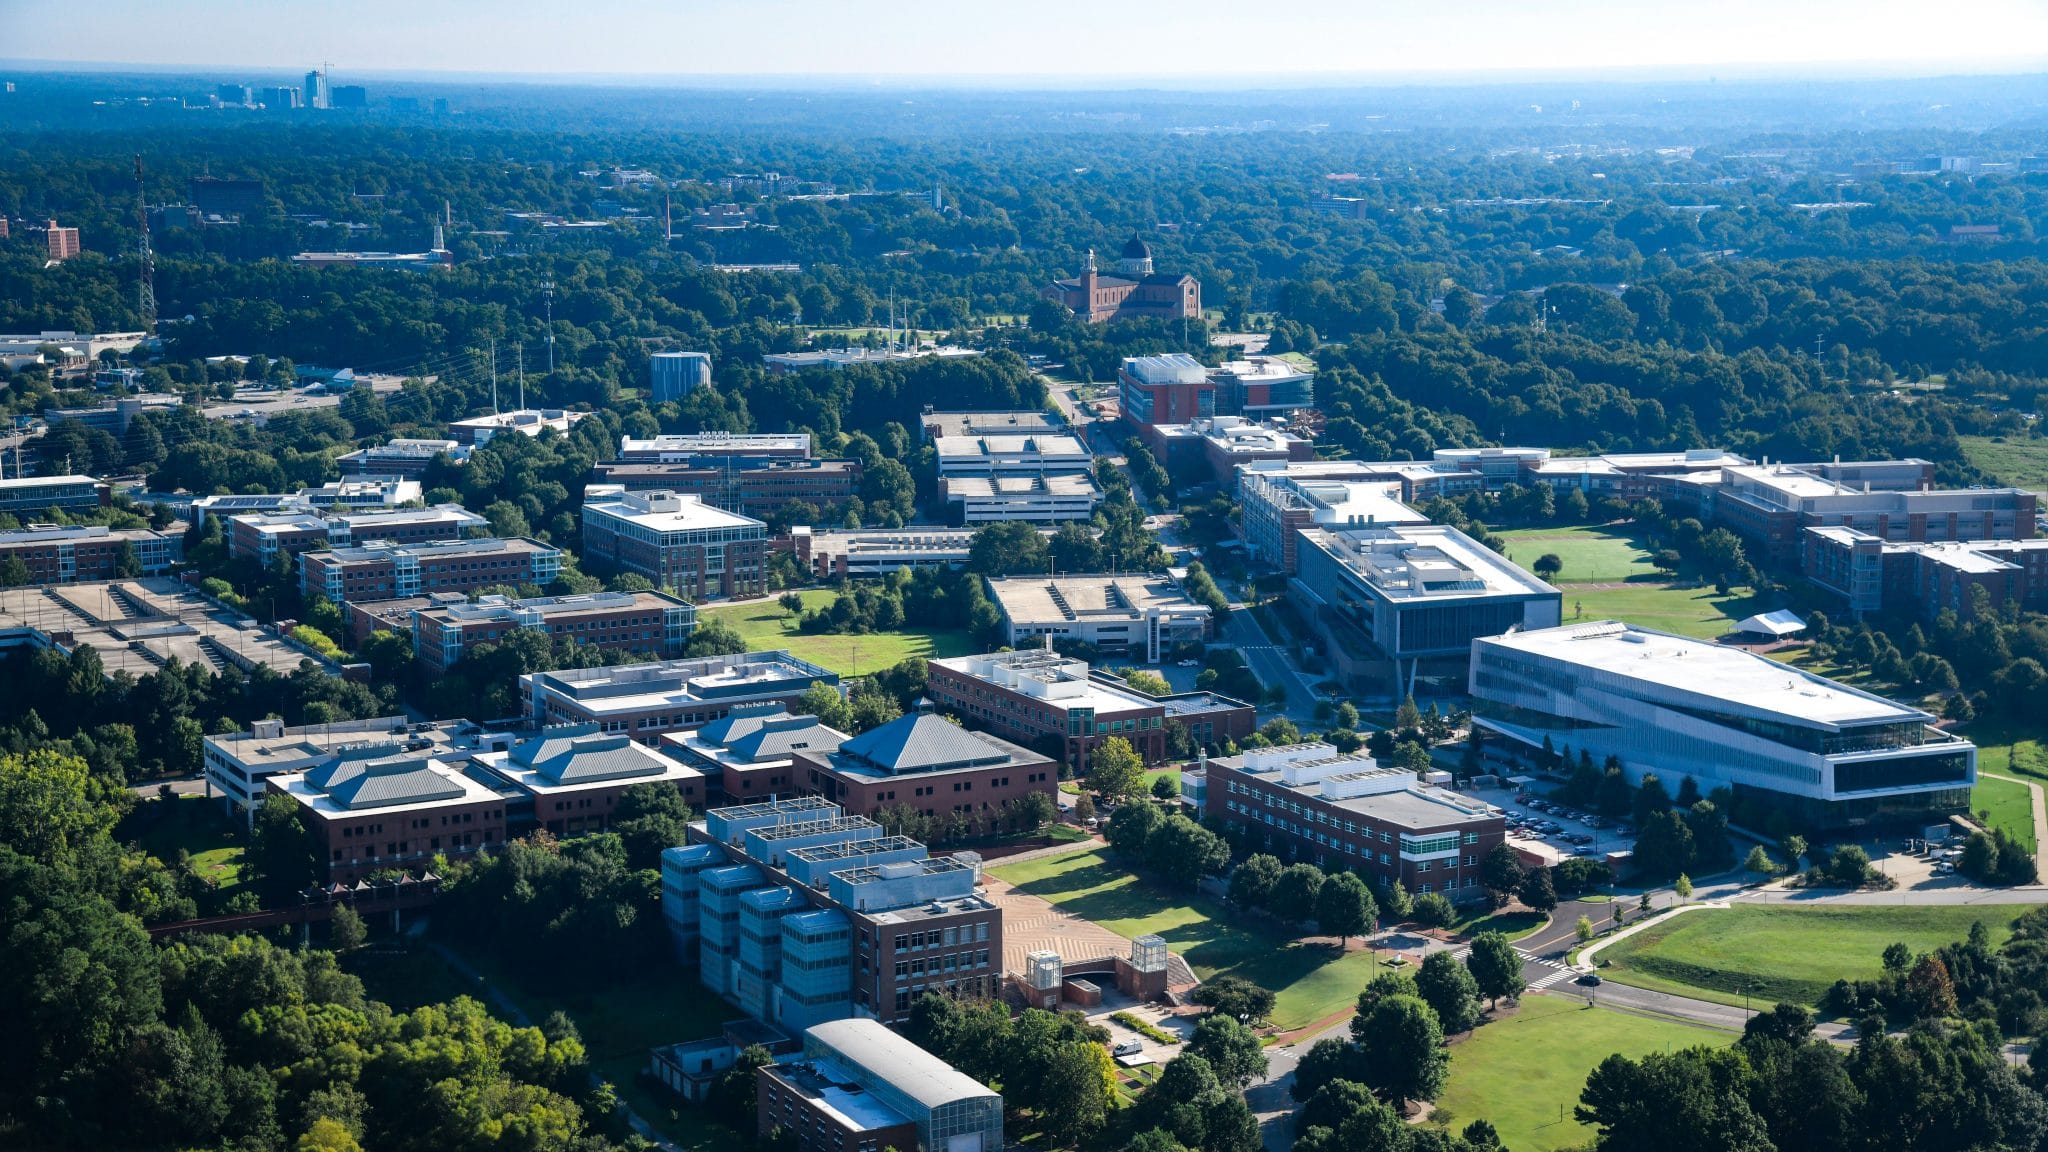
x=1209 y=40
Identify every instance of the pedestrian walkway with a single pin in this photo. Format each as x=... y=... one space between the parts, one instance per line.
x=1558 y=974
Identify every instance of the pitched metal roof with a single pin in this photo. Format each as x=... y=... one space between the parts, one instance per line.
x=582 y=754
x=357 y=784
x=871 y=1048
x=923 y=742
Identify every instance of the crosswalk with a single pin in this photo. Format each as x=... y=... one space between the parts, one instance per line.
x=1558 y=974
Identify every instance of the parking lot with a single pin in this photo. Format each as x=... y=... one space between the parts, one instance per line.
x=1531 y=818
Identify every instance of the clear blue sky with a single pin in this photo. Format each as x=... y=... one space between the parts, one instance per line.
x=1077 y=38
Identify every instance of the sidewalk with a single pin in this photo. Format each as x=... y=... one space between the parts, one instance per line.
x=1586 y=954
x=2040 y=819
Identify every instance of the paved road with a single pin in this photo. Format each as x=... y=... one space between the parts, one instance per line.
x=183 y=786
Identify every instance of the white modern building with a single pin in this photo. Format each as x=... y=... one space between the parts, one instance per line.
x=1142 y=616
x=1038 y=499
x=991 y=454
x=527 y=421
x=1828 y=755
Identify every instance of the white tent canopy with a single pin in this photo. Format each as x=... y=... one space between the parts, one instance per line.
x=1780 y=624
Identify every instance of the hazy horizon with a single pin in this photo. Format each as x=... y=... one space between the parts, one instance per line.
x=1210 y=44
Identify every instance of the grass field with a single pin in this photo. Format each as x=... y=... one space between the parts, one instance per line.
x=1780 y=953
x=1699 y=612
x=192 y=823
x=1518 y=1072
x=1311 y=981
x=1590 y=555
x=2005 y=804
x=2001 y=751
x=764 y=625
x=2020 y=463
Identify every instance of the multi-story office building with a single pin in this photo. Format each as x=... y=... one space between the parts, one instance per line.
x=1142 y=617
x=644 y=623
x=1170 y=389
x=280 y=99
x=380 y=570
x=684 y=448
x=113 y=415
x=62 y=242
x=678 y=542
x=215 y=196
x=1396 y=599
x=239 y=764
x=1872 y=574
x=750 y=752
x=401 y=457
x=928 y=763
x=1279 y=502
x=261 y=536
x=869 y=923
x=1771 y=505
x=876 y=552
x=571 y=778
x=368 y=811
x=755 y=487
x=526 y=421
x=1215 y=447
x=67 y=554
x=1036 y=499
x=1826 y=754
x=361 y=494
x=674 y=375
x=1311 y=802
x=233 y=94
x=1049 y=701
x=1262 y=388
x=350 y=96
x=857 y=1087
x=316 y=89
x=649 y=699
x=28 y=495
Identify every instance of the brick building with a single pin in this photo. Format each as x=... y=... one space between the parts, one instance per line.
x=369 y=810
x=858 y=1087
x=1133 y=291
x=66 y=554
x=646 y=623
x=928 y=763
x=1311 y=802
x=1048 y=701
x=1873 y=574
x=401 y=457
x=684 y=447
x=381 y=570
x=678 y=542
x=750 y=752
x=574 y=776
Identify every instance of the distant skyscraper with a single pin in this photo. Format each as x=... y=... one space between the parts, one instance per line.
x=350 y=96
x=675 y=375
x=232 y=93
x=63 y=241
x=316 y=89
x=282 y=98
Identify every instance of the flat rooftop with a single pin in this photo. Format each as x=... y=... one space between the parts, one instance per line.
x=976 y=423
x=665 y=511
x=1072 y=485
x=1035 y=598
x=1055 y=443
x=630 y=687
x=136 y=626
x=490 y=608
x=1234 y=435
x=439 y=549
x=1718 y=674
x=1415 y=562
x=723 y=443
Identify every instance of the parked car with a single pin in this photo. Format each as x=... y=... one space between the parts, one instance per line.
x=1590 y=980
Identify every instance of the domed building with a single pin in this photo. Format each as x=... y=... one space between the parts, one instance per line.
x=1135 y=290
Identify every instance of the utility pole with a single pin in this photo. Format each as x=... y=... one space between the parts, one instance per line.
x=494 y=375
x=145 y=273
x=547 y=297
x=519 y=350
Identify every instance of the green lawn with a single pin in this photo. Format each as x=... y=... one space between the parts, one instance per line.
x=2022 y=463
x=1784 y=952
x=194 y=824
x=1699 y=612
x=2002 y=751
x=1590 y=555
x=1524 y=1073
x=1310 y=981
x=2005 y=804
x=765 y=626
x=1514 y=925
